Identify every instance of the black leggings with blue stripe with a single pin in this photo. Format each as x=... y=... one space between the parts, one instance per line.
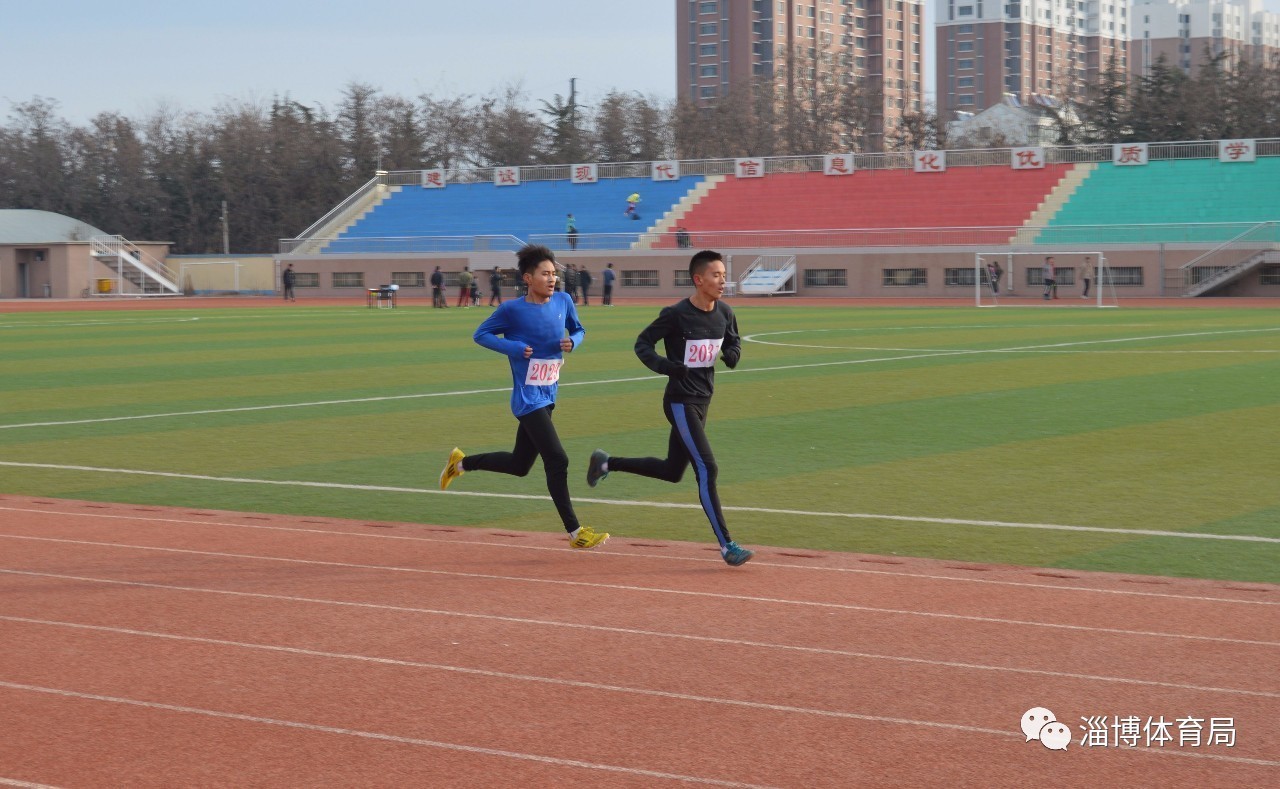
x=687 y=444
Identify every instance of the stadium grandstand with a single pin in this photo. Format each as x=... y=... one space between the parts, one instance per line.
x=1173 y=219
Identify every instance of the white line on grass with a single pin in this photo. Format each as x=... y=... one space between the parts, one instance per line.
x=659 y=504
x=652 y=589
x=627 y=631
x=649 y=378
x=1017 y=349
x=663 y=556
x=94 y=323
x=473 y=749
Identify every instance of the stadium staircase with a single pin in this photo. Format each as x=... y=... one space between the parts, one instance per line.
x=145 y=274
x=673 y=218
x=1053 y=203
x=1228 y=274
x=769 y=275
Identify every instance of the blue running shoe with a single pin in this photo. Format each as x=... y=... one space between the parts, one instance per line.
x=735 y=555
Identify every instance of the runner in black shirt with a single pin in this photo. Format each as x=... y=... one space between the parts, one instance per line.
x=694 y=332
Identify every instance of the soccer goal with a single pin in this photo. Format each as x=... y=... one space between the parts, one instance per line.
x=1035 y=278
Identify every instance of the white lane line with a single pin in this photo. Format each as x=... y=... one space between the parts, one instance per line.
x=661 y=504
x=641 y=554
x=656 y=590
x=24 y=784
x=370 y=735
x=782 y=708
x=651 y=378
x=626 y=631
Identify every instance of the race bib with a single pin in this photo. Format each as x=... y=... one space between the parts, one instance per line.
x=543 y=372
x=701 y=353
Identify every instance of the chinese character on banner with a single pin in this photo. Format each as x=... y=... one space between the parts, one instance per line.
x=837 y=164
x=433 y=179
x=506 y=176
x=1095 y=734
x=1222 y=731
x=665 y=171
x=1027 y=158
x=584 y=174
x=748 y=168
x=1129 y=154
x=931 y=161
x=1236 y=150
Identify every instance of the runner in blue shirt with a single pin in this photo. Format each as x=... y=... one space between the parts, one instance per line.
x=530 y=332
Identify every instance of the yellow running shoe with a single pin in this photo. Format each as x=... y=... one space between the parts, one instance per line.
x=452 y=469
x=587 y=538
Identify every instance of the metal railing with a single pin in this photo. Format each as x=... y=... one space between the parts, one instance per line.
x=400 y=244
x=145 y=268
x=893 y=160
x=1012 y=236
x=1222 y=263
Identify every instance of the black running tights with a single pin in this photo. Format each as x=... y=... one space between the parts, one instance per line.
x=535 y=436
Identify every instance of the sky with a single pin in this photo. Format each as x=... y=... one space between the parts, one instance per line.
x=136 y=56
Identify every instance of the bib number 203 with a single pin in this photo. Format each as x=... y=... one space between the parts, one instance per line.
x=543 y=372
x=701 y=353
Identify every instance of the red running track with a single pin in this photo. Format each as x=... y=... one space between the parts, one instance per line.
x=143 y=646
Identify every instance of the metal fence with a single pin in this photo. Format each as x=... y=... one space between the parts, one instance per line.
x=894 y=160
x=1014 y=237
x=400 y=245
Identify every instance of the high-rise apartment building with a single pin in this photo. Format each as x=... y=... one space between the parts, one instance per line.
x=1186 y=32
x=1044 y=51
x=878 y=44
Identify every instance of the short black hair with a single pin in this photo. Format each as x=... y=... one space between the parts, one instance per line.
x=530 y=255
x=699 y=262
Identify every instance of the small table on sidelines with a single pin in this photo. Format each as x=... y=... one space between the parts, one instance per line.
x=382 y=298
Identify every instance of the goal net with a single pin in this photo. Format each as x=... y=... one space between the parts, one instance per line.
x=1079 y=278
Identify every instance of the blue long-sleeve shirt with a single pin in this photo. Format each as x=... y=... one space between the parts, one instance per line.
x=539 y=326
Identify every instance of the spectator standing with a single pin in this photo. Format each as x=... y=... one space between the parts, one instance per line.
x=584 y=282
x=1086 y=274
x=437 y=290
x=1050 y=277
x=609 y=277
x=571 y=232
x=495 y=286
x=465 y=280
x=632 y=201
x=571 y=282
x=994 y=272
x=288 y=278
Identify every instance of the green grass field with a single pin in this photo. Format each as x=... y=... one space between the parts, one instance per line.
x=957 y=433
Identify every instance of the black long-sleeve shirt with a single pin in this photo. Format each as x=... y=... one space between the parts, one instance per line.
x=691 y=339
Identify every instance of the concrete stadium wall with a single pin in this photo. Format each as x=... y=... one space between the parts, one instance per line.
x=863 y=268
